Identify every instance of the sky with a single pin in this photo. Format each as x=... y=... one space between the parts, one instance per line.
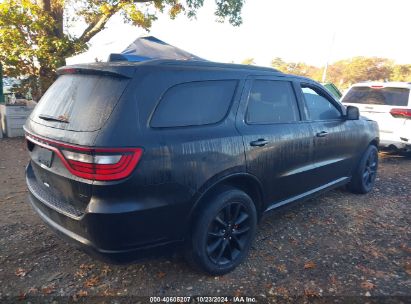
x=313 y=31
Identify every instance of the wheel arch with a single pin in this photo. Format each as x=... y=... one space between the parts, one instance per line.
x=242 y=181
x=375 y=142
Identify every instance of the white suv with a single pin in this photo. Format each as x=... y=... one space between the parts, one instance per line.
x=389 y=104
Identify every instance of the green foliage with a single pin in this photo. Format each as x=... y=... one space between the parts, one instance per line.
x=296 y=68
x=346 y=72
x=401 y=73
x=35 y=35
x=248 y=61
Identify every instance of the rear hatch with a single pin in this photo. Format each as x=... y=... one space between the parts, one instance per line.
x=381 y=103
x=61 y=131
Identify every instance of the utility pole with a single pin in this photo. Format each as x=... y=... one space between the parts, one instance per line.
x=1 y=84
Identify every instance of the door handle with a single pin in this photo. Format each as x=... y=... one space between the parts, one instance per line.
x=259 y=142
x=322 y=134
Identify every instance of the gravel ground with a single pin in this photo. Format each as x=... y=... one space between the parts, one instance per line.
x=338 y=244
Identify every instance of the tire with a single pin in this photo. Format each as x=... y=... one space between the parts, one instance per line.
x=222 y=232
x=363 y=178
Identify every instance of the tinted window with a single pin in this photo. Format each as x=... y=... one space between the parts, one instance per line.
x=378 y=96
x=85 y=101
x=319 y=107
x=272 y=102
x=194 y=103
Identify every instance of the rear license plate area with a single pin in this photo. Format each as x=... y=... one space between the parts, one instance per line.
x=44 y=156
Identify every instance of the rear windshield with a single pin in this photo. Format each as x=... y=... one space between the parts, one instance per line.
x=79 y=102
x=378 y=96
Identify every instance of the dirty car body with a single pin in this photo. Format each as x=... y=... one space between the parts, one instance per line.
x=126 y=156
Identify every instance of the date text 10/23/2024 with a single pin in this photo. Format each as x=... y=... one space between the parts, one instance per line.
x=203 y=299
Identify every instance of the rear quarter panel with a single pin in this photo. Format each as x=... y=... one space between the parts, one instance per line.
x=178 y=163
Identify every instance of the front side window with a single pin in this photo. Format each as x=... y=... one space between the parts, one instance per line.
x=194 y=104
x=318 y=106
x=272 y=102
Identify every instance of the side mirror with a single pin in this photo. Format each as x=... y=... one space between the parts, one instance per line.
x=352 y=113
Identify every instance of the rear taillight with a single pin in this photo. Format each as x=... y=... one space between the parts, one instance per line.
x=401 y=113
x=101 y=164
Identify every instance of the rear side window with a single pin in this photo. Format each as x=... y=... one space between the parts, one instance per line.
x=378 y=96
x=271 y=102
x=84 y=102
x=319 y=107
x=194 y=104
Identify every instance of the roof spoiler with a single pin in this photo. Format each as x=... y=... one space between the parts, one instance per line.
x=98 y=69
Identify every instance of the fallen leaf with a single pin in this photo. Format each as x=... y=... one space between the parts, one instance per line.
x=109 y=292
x=161 y=275
x=282 y=268
x=80 y=274
x=405 y=248
x=86 y=267
x=310 y=293
x=32 y=290
x=22 y=296
x=81 y=293
x=408 y=267
x=48 y=289
x=333 y=280
x=105 y=270
x=91 y=282
x=309 y=265
x=20 y=272
x=367 y=285
x=281 y=291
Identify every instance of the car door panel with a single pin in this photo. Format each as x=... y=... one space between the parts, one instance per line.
x=335 y=142
x=278 y=154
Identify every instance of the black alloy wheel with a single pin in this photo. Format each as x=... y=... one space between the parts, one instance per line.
x=222 y=232
x=370 y=169
x=364 y=176
x=228 y=233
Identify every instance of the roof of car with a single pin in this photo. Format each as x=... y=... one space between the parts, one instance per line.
x=392 y=84
x=125 y=67
x=181 y=63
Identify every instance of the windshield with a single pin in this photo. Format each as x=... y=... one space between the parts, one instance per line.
x=378 y=96
x=79 y=102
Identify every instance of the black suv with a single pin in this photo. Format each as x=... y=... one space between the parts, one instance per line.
x=129 y=158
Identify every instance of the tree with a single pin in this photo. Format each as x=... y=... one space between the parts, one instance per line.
x=296 y=68
x=248 y=61
x=344 y=73
x=401 y=73
x=35 y=35
x=348 y=71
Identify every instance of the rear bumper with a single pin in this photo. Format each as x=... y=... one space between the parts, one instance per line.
x=388 y=141
x=113 y=234
x=155 y=249
x=398 y=137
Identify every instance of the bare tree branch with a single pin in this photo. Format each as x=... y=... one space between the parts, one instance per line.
x=95 y=27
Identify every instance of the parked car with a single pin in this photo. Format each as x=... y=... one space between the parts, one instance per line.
x=128 y=159
x=333 y=90
x=389 y=104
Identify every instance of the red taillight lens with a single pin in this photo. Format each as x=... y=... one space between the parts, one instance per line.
x=401 y=113
x=101 y=164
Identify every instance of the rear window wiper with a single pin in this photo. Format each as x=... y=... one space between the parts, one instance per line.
x=61 y=118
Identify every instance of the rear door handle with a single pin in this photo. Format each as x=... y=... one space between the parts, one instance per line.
x=322 y=134
x=259 y=142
